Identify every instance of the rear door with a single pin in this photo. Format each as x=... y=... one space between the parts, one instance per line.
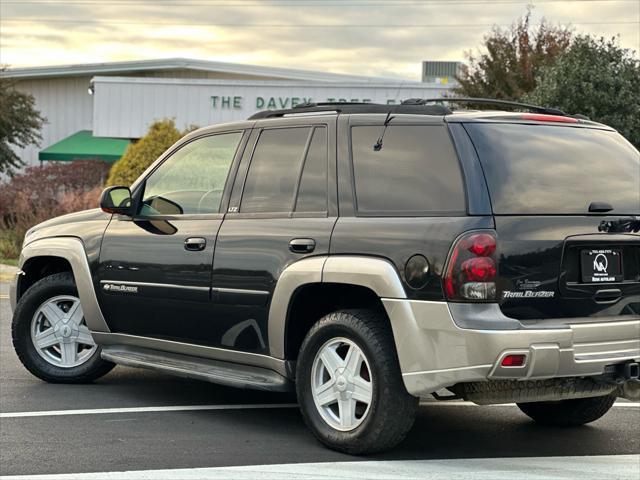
x=553 y=189
x=283 y=209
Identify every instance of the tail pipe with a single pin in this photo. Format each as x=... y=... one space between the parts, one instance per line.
x=630 y=388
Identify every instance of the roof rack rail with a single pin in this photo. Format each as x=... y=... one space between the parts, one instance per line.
x=487 y=101
x=330 y=104
x=354 y=107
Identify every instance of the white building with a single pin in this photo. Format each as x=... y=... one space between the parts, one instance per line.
x=94 y=110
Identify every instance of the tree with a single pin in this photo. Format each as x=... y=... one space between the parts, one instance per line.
x=596 y=78
x=513 y=59
x=20 y=123
x=144 y=152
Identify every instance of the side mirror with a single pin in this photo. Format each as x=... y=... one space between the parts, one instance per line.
x=116 y=200
x=164 y=206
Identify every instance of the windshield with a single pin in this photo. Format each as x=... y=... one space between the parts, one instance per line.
x=543 y=169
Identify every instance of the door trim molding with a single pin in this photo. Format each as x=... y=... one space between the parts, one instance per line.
x=149 y=284
x=240 y=291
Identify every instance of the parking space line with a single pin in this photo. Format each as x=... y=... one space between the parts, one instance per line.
x=471 y=404
x=194 y=408
x=626 y=404
x=176 y=408
x=525 y=468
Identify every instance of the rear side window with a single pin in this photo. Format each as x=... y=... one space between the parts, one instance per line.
x=415 y=173
x=312 y=193
x=274 y=170
x=543 y=169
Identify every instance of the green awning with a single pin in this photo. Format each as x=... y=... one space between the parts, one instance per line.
x=84 y=146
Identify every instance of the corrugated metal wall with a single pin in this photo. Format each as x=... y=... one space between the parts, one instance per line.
x=66 y=105
x=125 y=107
x=432 y=70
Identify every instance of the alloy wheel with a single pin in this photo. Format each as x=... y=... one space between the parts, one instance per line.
x=60 y=334
x=342 y=384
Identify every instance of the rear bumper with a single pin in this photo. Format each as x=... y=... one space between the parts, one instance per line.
x=436 y=348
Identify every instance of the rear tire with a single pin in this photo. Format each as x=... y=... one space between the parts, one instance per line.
x=51 y=342
x=568 y=413
x=384 y=411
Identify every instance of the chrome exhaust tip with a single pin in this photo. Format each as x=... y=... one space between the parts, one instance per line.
x=629 y=390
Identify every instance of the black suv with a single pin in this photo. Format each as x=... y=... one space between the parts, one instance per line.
x=365 y=255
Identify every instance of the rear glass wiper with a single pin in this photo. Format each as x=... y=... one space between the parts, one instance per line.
x=631 y=225
x=600 y=207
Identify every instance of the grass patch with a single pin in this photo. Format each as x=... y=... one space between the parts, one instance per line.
x=9 y=261
x=10 y=242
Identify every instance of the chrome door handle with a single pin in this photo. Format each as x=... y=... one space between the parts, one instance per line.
x=302 y=245
x=195 y=244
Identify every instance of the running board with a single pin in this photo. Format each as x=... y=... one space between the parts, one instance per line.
x=223 y=373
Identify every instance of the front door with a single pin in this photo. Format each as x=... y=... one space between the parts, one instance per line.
x=155 y=267
x=283 y=209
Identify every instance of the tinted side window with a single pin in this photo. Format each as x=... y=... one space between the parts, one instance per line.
x=193 y=178
x=312 y=193
x=273 y=172
x=416 y=171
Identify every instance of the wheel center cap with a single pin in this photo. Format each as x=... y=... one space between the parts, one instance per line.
x=341 y=384
x=65 y=331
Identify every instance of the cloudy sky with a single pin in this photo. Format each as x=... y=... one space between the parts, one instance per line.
x=367 y=37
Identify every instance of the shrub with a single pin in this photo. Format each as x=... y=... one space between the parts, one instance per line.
x=144 y=152
x=597 y=78
x=42 y=192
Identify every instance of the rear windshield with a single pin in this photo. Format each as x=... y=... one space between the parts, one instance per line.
x=542 y=169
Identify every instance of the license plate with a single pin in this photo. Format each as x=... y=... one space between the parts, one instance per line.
x=601 y=266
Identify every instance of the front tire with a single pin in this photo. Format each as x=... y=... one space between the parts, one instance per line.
x=50 y=335
x=568 y=413
x=349 y=384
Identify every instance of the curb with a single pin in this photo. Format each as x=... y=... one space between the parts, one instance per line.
x=7 y=272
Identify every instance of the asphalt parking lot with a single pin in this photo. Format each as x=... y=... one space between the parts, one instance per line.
x=151 y=425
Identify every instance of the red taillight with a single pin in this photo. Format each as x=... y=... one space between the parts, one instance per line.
x=540 y=117
x=480 y=269
x=513 y=361
x=472 y=268
x=482 y=244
